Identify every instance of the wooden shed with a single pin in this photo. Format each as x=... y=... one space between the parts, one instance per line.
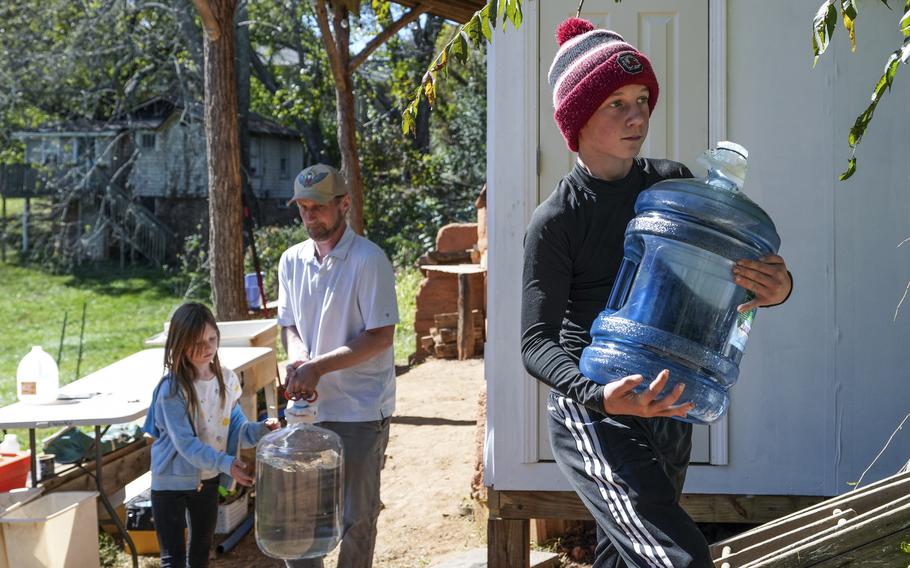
x=823 y=380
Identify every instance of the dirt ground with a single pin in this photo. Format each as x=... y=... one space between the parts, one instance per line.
x=426 y=483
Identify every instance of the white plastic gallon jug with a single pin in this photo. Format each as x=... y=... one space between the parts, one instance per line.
x=37 y=377
x=10 y=444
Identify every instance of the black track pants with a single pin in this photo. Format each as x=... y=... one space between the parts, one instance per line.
x=629 y=472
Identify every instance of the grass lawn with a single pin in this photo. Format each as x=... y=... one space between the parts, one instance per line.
x=123 y=307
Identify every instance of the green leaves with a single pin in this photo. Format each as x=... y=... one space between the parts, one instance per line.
x=884 y=85
x=383 y=10
x=478 y=31
x=905 y=20
x=823 y=26
x=851 y=169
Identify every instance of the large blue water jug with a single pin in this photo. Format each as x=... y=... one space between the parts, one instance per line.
x=673 y=304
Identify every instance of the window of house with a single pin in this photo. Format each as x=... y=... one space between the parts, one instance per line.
x=255 y=157
x=70 y=150
x=283 y=160
x=147 y=140
x=50 y=151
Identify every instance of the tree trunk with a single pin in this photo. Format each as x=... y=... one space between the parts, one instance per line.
x=223 y=145
x=337 y=44
x=243 y=65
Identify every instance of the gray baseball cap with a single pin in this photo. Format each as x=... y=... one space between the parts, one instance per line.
x=319 y=183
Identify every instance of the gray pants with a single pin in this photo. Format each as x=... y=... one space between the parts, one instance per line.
x=364 y=447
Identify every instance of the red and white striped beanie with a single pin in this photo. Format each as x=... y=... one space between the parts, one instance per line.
x=588 y=67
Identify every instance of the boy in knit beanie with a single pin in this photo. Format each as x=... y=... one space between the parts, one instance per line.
x=622 y=452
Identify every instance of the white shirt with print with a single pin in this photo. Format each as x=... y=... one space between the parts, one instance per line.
x=213 y=417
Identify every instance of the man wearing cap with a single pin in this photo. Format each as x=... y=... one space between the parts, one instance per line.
x=621 y=451
x=337 y=310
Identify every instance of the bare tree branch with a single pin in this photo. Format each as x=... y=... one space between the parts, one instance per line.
x=384 y=35
x=322 y=19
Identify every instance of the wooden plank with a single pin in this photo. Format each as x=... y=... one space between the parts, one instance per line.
x=539 y=505
x=743 y=508
x=702 y=508
x=450 y=319
x=508 y=543
x=886 y=552
x=754 y=550
x=120 y=467
x=543 y=530
x=465 y=320
x=453 y=268
x=878 y=523
x=860 y=500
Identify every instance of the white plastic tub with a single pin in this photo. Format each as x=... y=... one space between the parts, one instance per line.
x=58 y=530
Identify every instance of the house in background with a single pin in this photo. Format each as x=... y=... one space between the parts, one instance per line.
x=823 y=382
x=141 y=178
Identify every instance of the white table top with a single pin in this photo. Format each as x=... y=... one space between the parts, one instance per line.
x=120 y=392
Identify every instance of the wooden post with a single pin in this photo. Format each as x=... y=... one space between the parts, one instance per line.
x=25 y=211
x=508 y=543
x=465 y=320
x=3 y=233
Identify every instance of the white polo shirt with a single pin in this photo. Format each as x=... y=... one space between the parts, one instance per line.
x=330 y=303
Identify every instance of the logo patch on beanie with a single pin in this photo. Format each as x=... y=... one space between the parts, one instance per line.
x=629 y=63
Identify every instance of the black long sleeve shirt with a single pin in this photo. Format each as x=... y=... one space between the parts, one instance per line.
x=573 y=249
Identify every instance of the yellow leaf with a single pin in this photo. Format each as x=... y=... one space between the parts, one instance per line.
x=848 y=23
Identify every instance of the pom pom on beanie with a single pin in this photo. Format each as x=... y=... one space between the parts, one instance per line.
x=571 y=28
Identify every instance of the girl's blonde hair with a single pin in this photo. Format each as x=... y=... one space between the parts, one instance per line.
x=186 y=328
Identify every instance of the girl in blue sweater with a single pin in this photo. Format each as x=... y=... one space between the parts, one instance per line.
x=197 y=425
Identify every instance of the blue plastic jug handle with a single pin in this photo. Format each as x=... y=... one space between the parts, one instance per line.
x=621 y=285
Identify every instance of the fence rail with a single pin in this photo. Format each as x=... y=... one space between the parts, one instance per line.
x=23 y=180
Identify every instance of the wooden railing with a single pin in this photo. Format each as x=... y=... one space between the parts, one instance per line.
x=137 y=226
x=22 y=180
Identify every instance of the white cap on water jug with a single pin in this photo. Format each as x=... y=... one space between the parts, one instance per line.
x=726 y=165
x=37 y=377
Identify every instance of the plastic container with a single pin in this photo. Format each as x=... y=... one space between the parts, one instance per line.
x=14 y=468
x=59 y=529
x=37 y=378
x=299 y=492
x=673 y=304
x=232 y=514
x=10 y=444
x=253 y=298
x=9 y=501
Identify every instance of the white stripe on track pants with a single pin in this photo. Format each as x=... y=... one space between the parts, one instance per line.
x=629 y=473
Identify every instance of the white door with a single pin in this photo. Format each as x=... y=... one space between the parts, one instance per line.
x=674 y=36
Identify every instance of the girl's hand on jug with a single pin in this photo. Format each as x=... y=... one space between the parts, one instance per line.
x=620 y=398
x=240 y=472
x=766 y=277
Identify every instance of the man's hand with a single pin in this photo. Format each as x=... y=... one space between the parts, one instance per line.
x=240 y=472
x=620 y=400
x=292 y=366
x=272 y=424
x=302 y=380
x=766 y=277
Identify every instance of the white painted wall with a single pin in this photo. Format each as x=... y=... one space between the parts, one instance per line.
x=824 y=380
